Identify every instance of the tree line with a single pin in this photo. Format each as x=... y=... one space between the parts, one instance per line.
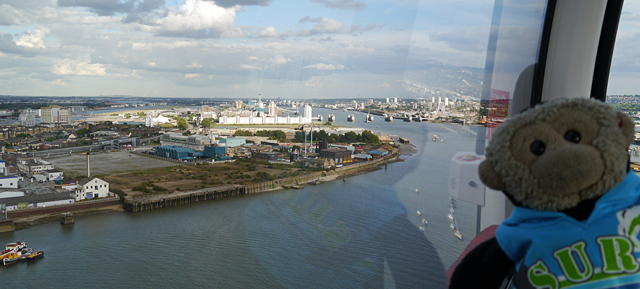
x=349 y=137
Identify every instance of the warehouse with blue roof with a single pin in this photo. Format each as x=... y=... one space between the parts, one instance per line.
x=175 y=152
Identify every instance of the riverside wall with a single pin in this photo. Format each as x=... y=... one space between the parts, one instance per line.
x=164 y=201
x=83 y=205
x=7 y=226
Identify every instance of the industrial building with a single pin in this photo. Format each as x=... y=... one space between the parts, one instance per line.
x=33 y=166
x=27 y=118
x=55 y=114
x=91 y=188
x=9 y=182
x=215 y=152
x=37 y=201
x=175 y=152
x=196 y=142
x=266 y=156
x=52 y=175
x=379 y=152
x=272 y=119
x=233 y=141
x=340 y=156
x=115 y=144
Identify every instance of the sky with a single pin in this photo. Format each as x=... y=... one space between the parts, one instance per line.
x=241 y=48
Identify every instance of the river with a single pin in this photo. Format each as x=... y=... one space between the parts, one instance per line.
x=362 y=233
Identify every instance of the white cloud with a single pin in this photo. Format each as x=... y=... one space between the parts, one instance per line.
x=169 y=45
x=11 y=16
x=58 y=82
x=192 y=75
x=325 y=25
x=31 y=40
x=322 y=66
x=196 y=19
x=151 y=64
x=281 y=60
x=252 y=58
x=249 y=66
x=316 y=81
x=269 y=32
x=194 y=65
x=73 y=67
x=385 y=84
x=360 y=48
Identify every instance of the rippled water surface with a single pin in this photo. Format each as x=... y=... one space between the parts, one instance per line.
x=362 y=233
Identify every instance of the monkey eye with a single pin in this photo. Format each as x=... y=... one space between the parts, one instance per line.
x=572 y=136
x=537 y=147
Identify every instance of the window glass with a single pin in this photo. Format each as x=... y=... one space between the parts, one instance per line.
x=417 y=65
x=623 y=89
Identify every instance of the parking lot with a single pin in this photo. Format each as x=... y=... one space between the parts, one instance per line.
x=106 y=163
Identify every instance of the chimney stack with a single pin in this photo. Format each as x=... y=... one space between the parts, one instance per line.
x=88 y=168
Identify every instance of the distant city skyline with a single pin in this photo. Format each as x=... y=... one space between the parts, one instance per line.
x=237 y=49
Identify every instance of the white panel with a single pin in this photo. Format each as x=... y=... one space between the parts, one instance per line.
x=464 y=182
x=494 y=210
x=573 y=45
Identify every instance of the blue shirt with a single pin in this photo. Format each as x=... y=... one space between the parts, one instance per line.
x=554 y=250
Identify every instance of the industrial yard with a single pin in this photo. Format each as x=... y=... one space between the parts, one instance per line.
x=185 y=178
x=106 y=163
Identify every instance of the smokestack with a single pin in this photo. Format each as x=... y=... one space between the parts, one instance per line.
x=88 y=167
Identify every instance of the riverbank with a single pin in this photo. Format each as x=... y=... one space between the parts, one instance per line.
x=153 y=202
x=140 y=204
x=34 y=220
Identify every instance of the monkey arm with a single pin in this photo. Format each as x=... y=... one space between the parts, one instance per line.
x=486 y=266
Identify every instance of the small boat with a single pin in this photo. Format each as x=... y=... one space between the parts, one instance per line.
x=424 y=221
x=422 y=228
x=11 y=248
x=454 y=228
x=16 y=246
x=450 y=217
x=416 y=191
x=418 y=213
x=12 y=258
x=452 y=210
x=32 y=256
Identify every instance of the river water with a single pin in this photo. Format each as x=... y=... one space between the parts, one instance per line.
x=362 y=233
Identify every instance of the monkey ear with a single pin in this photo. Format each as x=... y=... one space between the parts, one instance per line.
x=490 y=177
x=627 y=126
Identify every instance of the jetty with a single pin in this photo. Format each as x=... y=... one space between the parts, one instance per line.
x=67 y=218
